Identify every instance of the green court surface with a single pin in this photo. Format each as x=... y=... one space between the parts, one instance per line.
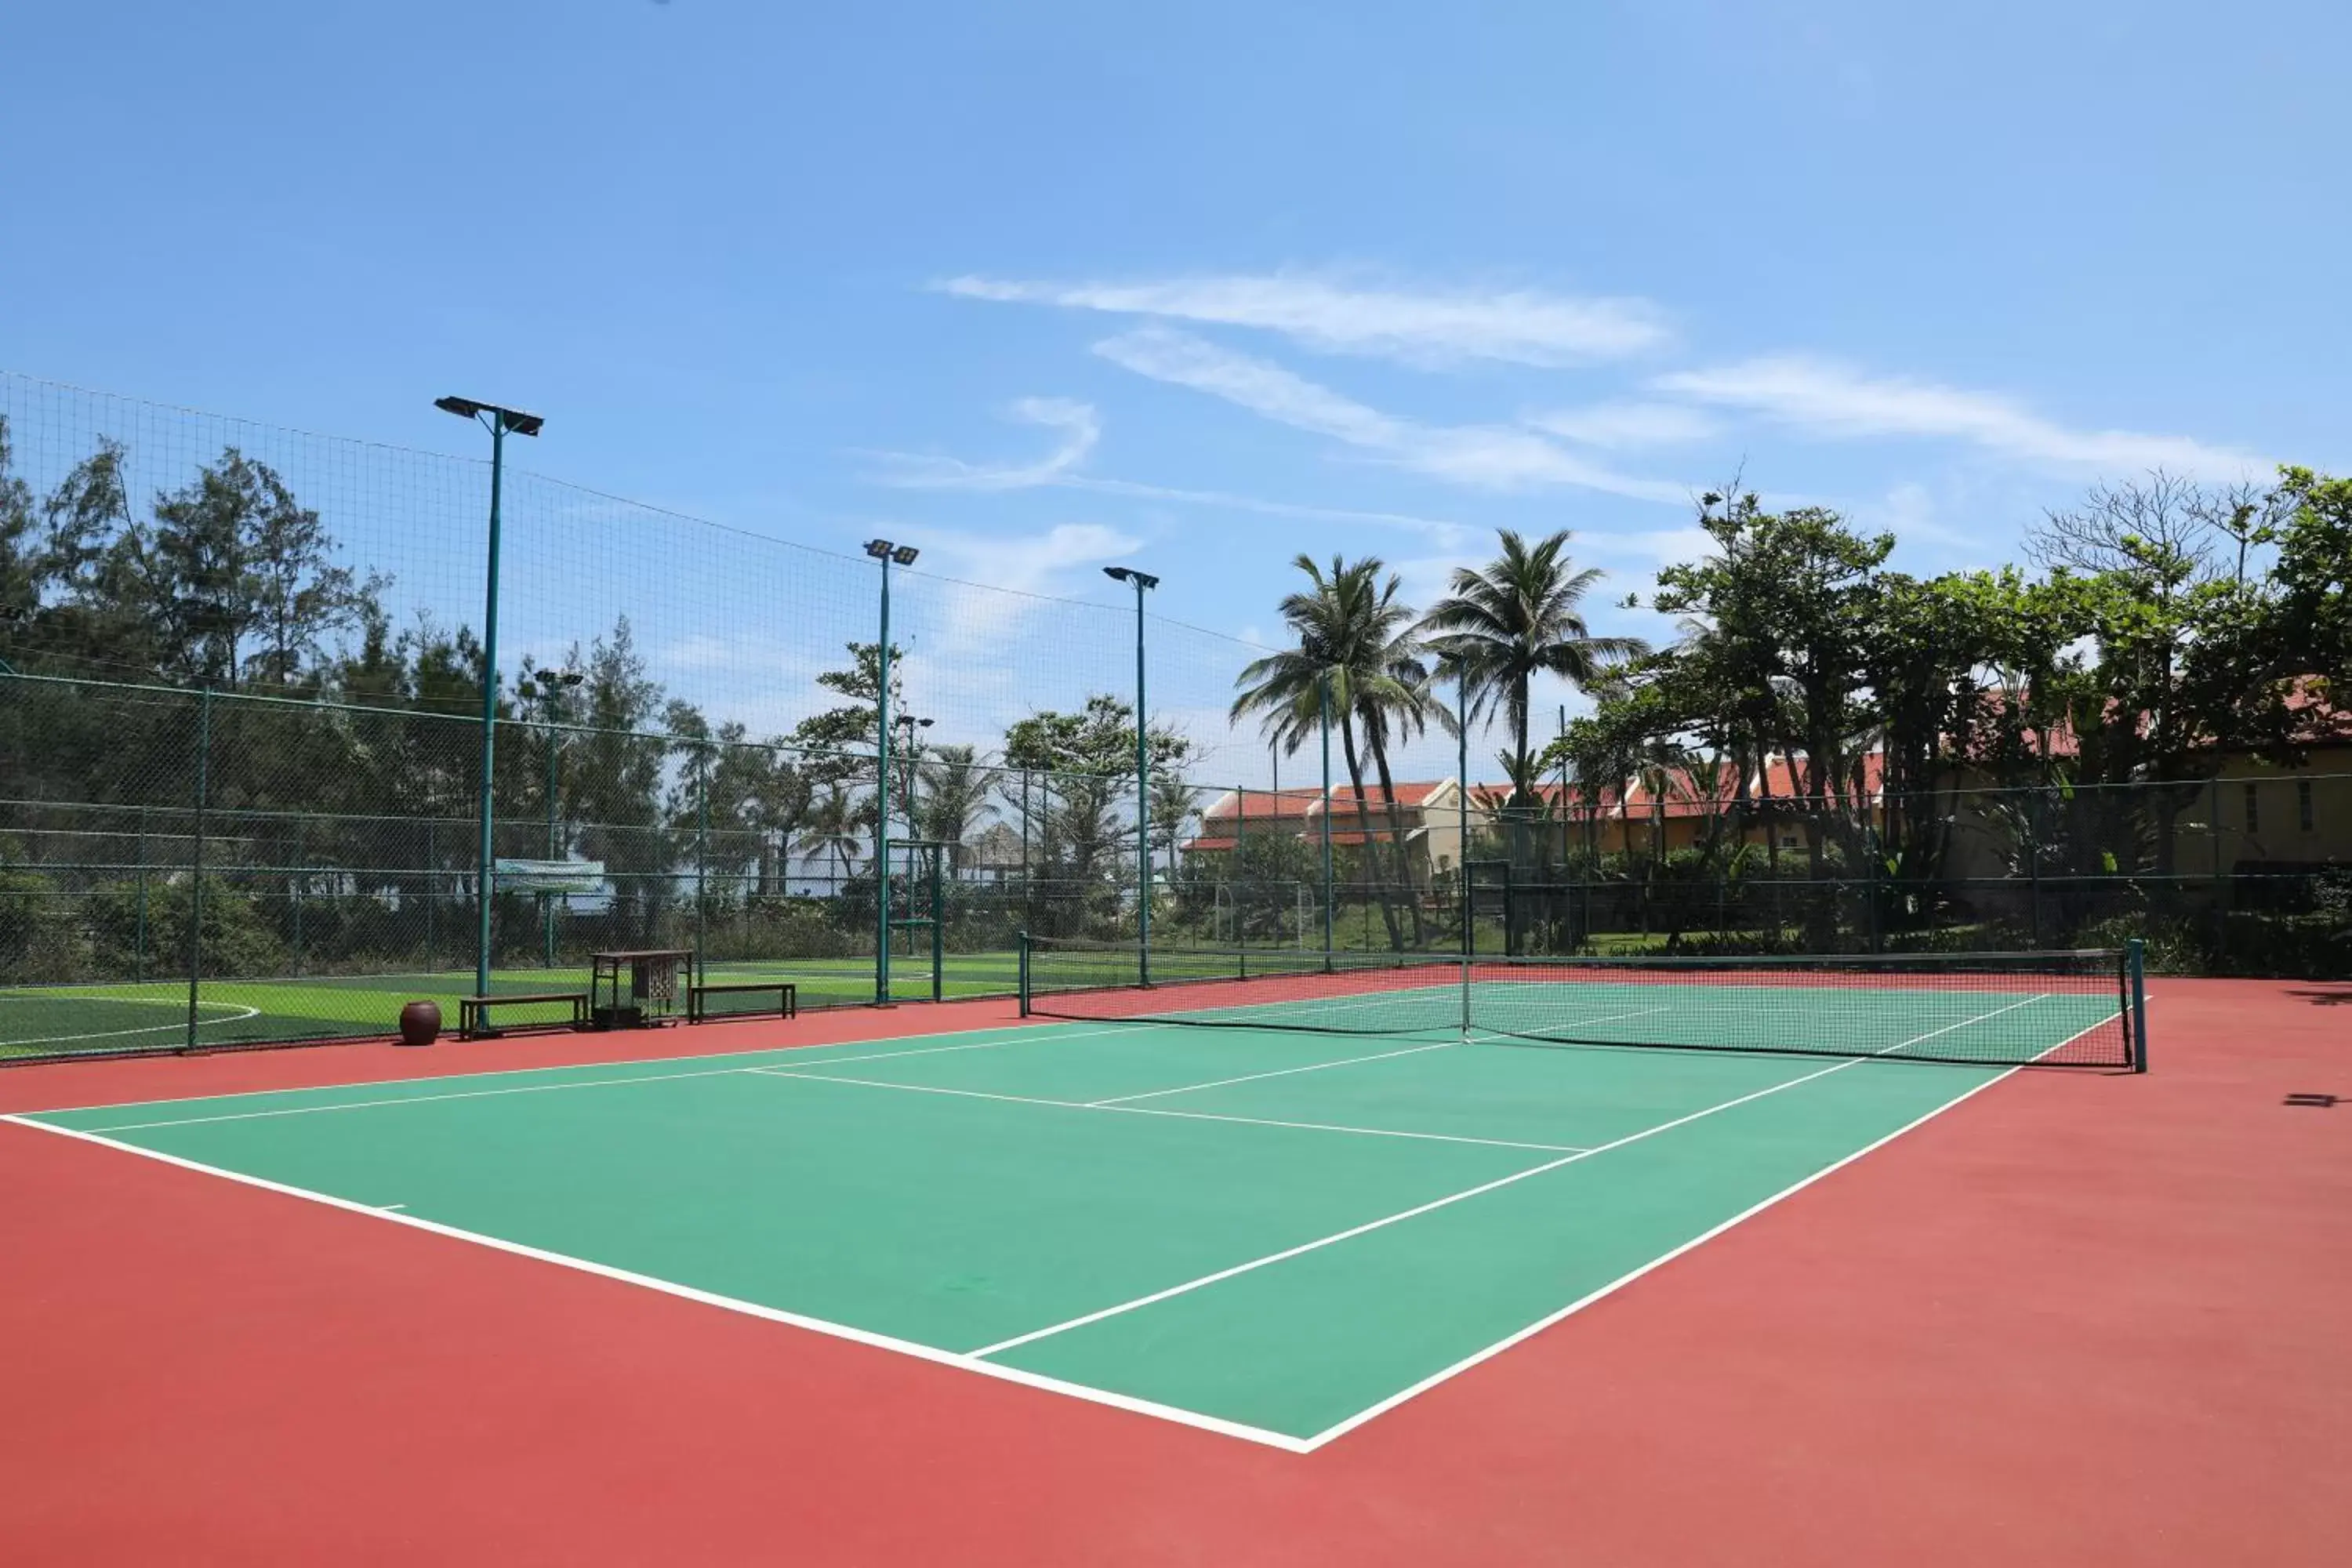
x=1272 y=1233
x=41 y=1020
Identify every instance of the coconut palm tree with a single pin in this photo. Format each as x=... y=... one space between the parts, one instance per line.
x=835 y=829
x=1519 y=616
x=1356 y=643
x=955 y=794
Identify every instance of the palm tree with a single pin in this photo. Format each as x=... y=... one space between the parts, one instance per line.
x=833 y=829
x=955 y=794
x=1356 y=643
x=1519 y=616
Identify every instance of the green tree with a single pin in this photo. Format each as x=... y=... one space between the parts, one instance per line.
x=954 y=801
x=841 y=740
x=1355 y=647
x=1519 y=616
x=22 y=568
x=1087 y=759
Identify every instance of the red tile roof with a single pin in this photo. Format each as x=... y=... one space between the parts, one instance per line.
x=1411 y=794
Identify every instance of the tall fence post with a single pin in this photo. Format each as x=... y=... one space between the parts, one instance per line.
x=295 y=878
x=196 y=859
x=701 y=866
x=139 y=951
x=1323 y=724
x=2034 y=860
x=430 y=893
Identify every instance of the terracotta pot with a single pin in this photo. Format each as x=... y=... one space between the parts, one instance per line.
x=420 y=1023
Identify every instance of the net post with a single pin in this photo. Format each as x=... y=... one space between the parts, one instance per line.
x=1020 y=946
x=2136 y=976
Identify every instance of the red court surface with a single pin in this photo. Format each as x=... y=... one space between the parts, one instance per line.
x=2082 y=1317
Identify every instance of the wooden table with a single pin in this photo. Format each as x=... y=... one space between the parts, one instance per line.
x=654 y=989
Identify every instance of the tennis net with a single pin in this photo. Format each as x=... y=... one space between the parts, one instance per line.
x=2071 y=1008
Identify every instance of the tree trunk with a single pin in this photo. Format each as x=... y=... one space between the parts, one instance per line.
x=1363 y=822
x=1396 y=833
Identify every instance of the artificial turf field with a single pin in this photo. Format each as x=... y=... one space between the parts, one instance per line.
x=2019 y=1301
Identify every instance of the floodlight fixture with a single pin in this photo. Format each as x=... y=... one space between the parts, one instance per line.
x=507 y=421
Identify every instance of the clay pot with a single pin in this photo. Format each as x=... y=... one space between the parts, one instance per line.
x=420 y=1023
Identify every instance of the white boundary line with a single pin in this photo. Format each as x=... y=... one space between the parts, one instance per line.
x=711 y=1299
x=1156 y=1110
x=1219 y=1276
x=1120 y=1099
x=1027 y=1031
x=1371 y=1411
x=525 y=1088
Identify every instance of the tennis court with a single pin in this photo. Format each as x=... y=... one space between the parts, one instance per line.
x=1276 y=1228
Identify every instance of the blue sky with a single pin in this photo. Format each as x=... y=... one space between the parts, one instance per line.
x=1042 y=286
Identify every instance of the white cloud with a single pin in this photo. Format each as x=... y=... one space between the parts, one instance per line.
x=1076 y=423
x=1842 y=403
x=1438 y=529
x=1082 y=431
x=1484 y=457
x=1025 y=563
x=1627 y=425
x=1519 y=326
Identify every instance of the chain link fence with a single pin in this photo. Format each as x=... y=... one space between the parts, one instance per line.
x=227 y=869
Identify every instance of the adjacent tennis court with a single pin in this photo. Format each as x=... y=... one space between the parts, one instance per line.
x=1273 y=1229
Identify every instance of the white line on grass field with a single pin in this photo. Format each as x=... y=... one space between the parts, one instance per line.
x=238 y=1016
x=710 y=1298
x=1189 y=1286
x=1158 y=1110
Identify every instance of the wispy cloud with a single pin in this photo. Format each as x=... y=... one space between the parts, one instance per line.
x=1076 y=423
x=1025 y=562
x=1624 y=425
x=1443 y=529
x=1840 y=402
x=1483 y=457
x=1082 y=431
x=1421 y=326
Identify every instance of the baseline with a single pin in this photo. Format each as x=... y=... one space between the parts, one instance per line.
x=960 y=1358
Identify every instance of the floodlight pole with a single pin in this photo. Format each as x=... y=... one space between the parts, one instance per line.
x=884 y=552
x=882 y=802
x=1142 y=581
x=498 y=421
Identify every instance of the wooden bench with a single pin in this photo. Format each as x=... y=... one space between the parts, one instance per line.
x=474 y=1011
x=788 y=998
